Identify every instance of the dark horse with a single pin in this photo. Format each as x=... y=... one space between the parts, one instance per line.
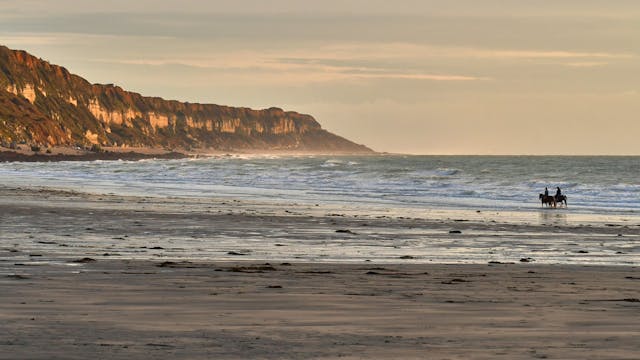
x=546 y=199
x=561 y=199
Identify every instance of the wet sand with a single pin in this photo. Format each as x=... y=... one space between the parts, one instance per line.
x=99 y=276
x=139 y=310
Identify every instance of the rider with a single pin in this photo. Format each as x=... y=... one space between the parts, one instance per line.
x=558 y=193
x=546 y=191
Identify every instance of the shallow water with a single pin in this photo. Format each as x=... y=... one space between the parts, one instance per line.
x=68 y=227
x=602 y=191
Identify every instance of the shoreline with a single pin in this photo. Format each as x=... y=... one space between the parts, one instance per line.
x=228 y=228
x=10 y=156
x=133 y=154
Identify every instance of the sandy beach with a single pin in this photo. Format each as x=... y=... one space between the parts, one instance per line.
x=115 y=277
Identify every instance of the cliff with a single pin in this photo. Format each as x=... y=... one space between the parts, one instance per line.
x=44 y=104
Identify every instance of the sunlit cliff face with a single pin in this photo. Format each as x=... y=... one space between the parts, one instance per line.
x=44 y=105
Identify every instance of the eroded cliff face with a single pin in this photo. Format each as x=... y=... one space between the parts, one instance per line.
x=45 y=104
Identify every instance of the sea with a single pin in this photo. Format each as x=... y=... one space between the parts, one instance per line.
x=592 y=184
x=601 y=191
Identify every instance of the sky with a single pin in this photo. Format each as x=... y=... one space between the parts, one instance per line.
x=407 y=76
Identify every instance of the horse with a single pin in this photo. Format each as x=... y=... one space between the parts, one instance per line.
x=560 y=199
x=549 y=200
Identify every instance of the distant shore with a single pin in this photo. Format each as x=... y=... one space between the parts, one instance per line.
x=25 y=153
x=140 y=153
x=12 y=156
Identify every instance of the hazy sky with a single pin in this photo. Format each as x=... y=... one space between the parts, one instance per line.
x=426 y=77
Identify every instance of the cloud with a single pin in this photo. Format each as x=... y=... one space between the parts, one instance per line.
x=587 y=64
x=334 y=51
x=537 y=54
x=30 y=39
x=279 y=72
x=317 y=62
x=68 y=38
x=362 y=61
x=395 y=50
x=414 y=76
x=327 y=63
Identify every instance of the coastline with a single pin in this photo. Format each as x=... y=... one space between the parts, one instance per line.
x=12 y=156
x=134 y=154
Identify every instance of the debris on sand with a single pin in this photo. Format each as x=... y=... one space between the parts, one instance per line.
x=346 y=231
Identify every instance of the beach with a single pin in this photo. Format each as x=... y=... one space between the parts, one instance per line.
x=255 y=179
x=114 y=276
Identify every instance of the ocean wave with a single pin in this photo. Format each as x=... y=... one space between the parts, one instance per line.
x=337 y=162
x=634 y=188
x=434 y=174
x=510 y=183
x=446 y=171
x=332 y=163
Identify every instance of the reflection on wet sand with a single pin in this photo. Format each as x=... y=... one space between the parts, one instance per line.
x=69 y=226
x=552 y=217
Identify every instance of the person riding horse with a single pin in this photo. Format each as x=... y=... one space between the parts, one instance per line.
x=559 y=197
x=553 y=200
x=549 y=200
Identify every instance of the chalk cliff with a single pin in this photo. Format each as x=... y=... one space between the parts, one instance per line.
x=42 y=103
